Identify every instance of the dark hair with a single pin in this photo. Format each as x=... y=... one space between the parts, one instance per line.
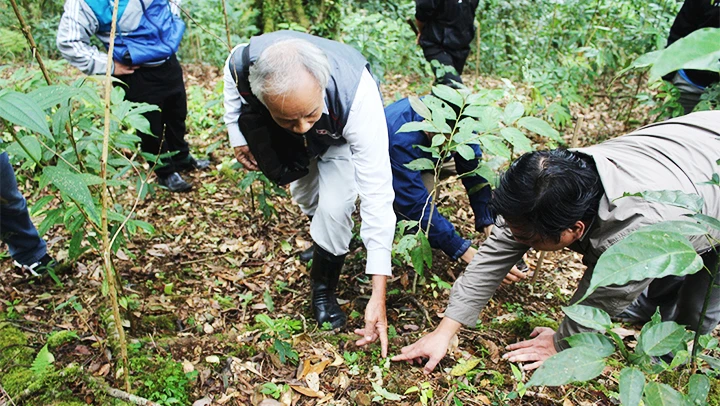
x=546 y=192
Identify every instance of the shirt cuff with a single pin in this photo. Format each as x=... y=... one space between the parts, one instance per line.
x=461 y=250
x=237 y=139
x=378 y=262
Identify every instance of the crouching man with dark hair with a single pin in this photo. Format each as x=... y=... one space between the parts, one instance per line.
x=549 y=200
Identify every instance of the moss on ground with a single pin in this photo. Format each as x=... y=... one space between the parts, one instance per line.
x=523 y=324
x=163 y=322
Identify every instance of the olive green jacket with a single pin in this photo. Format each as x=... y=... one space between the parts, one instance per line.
x=678 y=154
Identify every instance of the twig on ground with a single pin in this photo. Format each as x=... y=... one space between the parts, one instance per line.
x=422 y=309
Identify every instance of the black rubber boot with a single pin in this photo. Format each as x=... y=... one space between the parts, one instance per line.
x=325 y=274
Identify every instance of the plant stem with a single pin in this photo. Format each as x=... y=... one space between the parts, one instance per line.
x=106 y=246
x=227 y=26
x=711 y=286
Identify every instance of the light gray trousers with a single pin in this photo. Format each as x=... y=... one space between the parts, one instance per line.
x=328 y=194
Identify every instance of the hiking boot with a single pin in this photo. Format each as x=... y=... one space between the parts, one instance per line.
x=306 y=255
x=325 y=274
x=191 y=164
x=174 y=182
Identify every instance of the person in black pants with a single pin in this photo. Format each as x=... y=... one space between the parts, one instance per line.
x=445 y=30
x=148 y=37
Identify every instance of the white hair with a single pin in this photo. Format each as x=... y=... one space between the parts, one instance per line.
x=278 y=69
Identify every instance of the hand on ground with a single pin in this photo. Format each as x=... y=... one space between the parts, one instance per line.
x=246 y=158
x=376 y=324
x=429 y=349
x=537 y=350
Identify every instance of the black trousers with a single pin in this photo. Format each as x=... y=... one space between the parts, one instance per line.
x=448 y=58
x=164 y=87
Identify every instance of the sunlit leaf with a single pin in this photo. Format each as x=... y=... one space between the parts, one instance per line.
x=661 y=339
x=43 y=361
x=643 y=255
x=631 y=383
x=540 y=127
x=462 y=368
x=517 y=139
x=438 y=140
x=419 y=107
x=513 y=111
x=698 y=50
x=572 y=365
x=418 y=126
x=420 y=164
x=20 y=109
x=678 y=226
x=448 y=94
x=690 y=201
x=596 y=341
x=466 y=152
x=588 y=316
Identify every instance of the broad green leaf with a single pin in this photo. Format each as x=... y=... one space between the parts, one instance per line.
x=42 y=362
x=268 y=300
x=588 y=316
x=32 y=145
x=466 y=152
x=438 y=140
x=643 y=255
x=513 y=111
x=661 y=339
x=713 y=362
x=465 y=136
x=698 y=50
x=659 y=394
x=707 y=220
x=139 y=122
x=73 y=186
x=40 y=204
x=632 y=382
x=419 y=107
x=433 y=151
x=597 y=342
x=448 y=94
x=421 y=253
x=690 y=201
x=420 y=164
x=462 y=368
x=284 y=351
x=49 y=96
x=439 y=108
x=517 y=139
x=571 y=365
x=680 y=358
x=486 y=172
x=698 y=389
x=20 y=109
x=494 y=145
x=540 y=127
x=75 y=247
x=417 y=126
x=678 y=226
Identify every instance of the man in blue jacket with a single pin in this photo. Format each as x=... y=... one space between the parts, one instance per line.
x=148 y=36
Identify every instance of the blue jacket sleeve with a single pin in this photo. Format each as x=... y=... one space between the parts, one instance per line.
x=410 y=193
x=479 y=199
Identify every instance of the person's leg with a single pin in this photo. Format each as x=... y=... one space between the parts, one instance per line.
x=458 y=60
x=304 y=192
x=662 y=293
x=689 y=94
x=175 y=112
x=16 y=228
x=691 y=298
x=447 y=74
x=331 y=230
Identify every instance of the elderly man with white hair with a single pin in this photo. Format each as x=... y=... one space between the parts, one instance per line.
x=306 y=111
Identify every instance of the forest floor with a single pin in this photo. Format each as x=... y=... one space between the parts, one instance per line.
x=213 y=292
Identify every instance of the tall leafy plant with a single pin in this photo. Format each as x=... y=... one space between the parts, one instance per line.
x=477 y=119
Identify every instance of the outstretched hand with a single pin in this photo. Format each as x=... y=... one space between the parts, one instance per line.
x=537 y=350
x=376 y=324
x=431 y=348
